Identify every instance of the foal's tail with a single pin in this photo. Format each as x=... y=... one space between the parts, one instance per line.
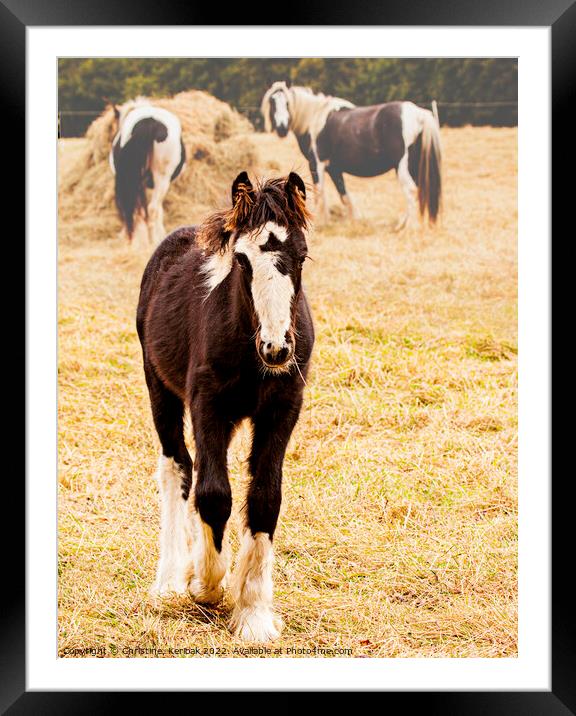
x=132 y=162
x=430 y=166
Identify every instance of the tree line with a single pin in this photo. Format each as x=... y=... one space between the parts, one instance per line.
x=468 y=91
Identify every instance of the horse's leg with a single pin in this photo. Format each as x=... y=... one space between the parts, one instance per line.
x=253 y=618
x=338 y=179
x=410 y=192
x=213 y=501
x=174 y=479
x=317 y=172
x=123 y=234
x=321 y=195
x=156 y=230
x=140 y=233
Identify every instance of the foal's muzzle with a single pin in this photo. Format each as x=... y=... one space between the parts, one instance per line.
x=276 y=356
x=281 y=130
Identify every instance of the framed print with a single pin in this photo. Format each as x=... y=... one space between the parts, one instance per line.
x=396 y=439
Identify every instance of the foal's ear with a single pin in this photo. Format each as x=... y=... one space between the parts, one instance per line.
x=296 y=194
x=242 y=199
x=293 y=182
x=242 y=187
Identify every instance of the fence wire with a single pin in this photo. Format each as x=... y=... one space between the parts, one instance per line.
x=75 y=122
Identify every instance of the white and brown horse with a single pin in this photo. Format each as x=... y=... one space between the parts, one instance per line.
x=336 y=137
x=147 y=153
x=226 y=331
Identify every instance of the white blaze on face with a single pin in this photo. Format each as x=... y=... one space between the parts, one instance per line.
x=281 y=113
x=272 y=291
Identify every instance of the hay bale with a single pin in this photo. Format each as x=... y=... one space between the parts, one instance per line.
x=218 y=147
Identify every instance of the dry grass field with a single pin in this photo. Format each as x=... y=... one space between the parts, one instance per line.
x=398 y=530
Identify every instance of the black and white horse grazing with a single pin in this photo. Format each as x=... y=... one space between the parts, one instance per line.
x=336 y=137
x=147 y=152
x=226 y=330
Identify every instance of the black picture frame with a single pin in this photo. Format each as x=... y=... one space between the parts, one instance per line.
x=15 y=16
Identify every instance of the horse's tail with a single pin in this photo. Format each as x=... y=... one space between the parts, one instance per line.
x=435 y=111
x=265 y=109
x=430 y=166
x=132 y=162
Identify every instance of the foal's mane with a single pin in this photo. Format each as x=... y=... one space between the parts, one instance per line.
x=268 y=201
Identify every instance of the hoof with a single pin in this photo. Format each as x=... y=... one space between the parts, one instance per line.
x=400 y=225
x=169 y=588
x=258 y=624
x=204 y=594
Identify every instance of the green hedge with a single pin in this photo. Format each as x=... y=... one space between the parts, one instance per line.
x=468 y=91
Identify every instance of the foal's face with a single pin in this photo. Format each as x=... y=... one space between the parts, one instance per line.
x=271 y=260
x=279 y=113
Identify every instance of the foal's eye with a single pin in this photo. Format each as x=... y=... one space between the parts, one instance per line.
x=243 y=261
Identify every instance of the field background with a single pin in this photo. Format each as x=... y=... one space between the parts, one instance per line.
x=398 y=530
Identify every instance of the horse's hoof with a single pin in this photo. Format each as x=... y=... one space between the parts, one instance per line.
x=204 y=594
x=399 y=226
x=259 y=624
x=169 y=588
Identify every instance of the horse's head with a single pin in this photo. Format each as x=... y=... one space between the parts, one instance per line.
x=275 y=109
x=268 y=252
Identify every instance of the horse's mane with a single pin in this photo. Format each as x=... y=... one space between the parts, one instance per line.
x=310 y=109
x=268 y=201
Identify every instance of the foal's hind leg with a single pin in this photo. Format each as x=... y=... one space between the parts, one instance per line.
x=213 y=501
x=174 y=479
x=175 y=564
x=253 y=618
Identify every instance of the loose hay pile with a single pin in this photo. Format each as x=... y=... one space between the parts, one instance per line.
x=218 y=146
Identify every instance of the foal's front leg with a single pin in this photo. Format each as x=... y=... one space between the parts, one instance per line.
x=213 y=504
x=253 y=618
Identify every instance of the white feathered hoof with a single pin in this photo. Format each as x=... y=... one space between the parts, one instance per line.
x=169 y=588
x=257 y=624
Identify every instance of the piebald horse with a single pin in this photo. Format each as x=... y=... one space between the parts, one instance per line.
x=147 y=153
x=226 y=331
x=336 y=137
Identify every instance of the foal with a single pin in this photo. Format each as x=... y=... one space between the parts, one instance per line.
x=226 y=330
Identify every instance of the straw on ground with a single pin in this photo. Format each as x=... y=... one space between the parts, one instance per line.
x=398 y=531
